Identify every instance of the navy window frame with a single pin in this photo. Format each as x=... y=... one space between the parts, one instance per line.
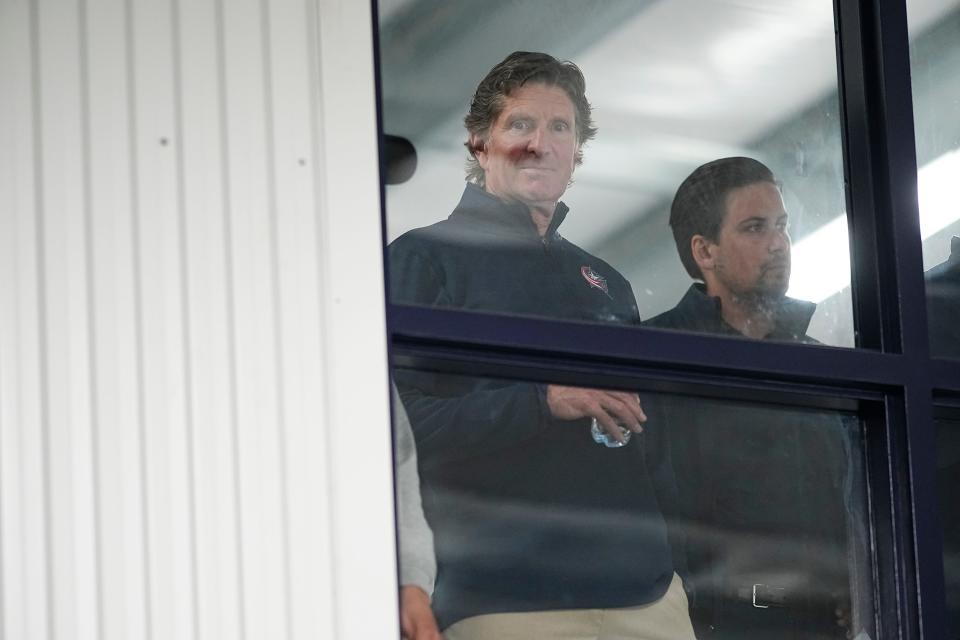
x=891 y=380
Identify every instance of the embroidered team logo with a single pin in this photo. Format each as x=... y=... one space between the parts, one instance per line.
x=594 y=279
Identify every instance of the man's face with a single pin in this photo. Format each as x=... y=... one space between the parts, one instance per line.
x=751 y=257
x=528 y=155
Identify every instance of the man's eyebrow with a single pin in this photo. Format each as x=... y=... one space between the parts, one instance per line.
x=518 y=114
x=515 y=117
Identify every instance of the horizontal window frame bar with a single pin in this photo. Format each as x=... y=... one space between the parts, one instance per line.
x=468 y=334
x=530 y=368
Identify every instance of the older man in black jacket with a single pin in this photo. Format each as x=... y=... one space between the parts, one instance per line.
x=540 y=531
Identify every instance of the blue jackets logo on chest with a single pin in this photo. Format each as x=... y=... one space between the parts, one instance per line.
x=594 y=279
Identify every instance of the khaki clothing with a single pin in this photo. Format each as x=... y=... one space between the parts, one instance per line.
x=665 y=619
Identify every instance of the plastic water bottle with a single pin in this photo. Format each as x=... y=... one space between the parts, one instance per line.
x=601 y=437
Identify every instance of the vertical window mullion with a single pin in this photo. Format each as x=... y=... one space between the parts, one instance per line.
x=881 y=176
x=889 y=296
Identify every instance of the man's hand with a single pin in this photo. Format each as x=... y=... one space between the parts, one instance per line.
x=608 y=407
x=842 y=613
x=416 y=616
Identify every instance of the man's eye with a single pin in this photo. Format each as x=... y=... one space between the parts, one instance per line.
x=561 y=126
x=519 y=125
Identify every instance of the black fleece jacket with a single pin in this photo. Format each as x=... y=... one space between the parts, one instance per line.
x=765 y=491
x=528 y=512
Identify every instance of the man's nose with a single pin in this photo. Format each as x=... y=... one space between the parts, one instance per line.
x=536 y=141
x=780 y=242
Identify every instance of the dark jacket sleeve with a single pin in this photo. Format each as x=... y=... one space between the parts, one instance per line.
x=415 y=278
x=456 y=417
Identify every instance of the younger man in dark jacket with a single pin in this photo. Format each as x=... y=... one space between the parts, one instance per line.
x=761 y=487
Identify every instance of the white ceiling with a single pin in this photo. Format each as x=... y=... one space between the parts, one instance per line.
x=680 y=83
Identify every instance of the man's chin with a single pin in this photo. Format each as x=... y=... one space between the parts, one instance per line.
x=775 y=287
x=536 y=197
x=773 y=296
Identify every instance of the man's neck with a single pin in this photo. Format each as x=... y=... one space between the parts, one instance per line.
x=542 y=216
x=754 y=317
x=541 y=213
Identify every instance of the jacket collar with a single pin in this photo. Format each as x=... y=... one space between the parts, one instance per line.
x=700 y=312
x=513 y=218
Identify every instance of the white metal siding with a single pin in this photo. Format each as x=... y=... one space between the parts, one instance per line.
x=194 y=438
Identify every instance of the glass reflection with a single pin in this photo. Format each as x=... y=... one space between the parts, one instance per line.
x=674 y=84
x=741 y=520
x=943 y=304
x=935 y=76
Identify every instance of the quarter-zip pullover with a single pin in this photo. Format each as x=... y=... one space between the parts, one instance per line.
x=529 y=514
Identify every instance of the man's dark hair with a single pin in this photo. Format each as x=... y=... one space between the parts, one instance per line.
x=701 y=201
x=516 y=70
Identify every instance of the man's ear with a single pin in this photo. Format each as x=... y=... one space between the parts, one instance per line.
x=702 y=250
x=479 y=147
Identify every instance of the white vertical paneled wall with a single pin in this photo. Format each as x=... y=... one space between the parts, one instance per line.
x=194 y=437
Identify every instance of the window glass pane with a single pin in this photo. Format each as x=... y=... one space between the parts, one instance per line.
x=948 y=480
x=673 y=85
x=743 y=520
x=935 y=73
